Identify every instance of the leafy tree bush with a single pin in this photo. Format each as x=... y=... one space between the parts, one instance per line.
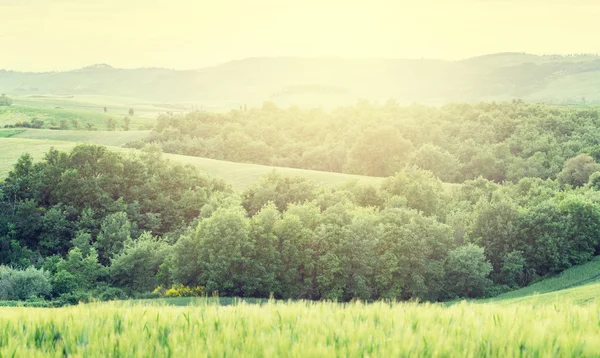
x=420 y=188
x=23 y=284
x=78 y=272
x=5 y=101
x=467 y=271
x=279 y=190
x=578 y=170
x=115 y=232
x=440 y=162
x=135 y=267
x=379 y=152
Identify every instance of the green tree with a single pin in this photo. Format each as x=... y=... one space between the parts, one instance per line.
x=265 y=261
x=440 y=162
x=137 y=266
x=513 y=265
x=379 y=152
x=126 y=123
x=594 y=181
x=111 y=124
x=297 y=264
x=23 y=284
x=467 y=271
x=497 y=223
x=420 y=188
x=578 y=170
x=5 y=101
x=224 y=248
x=114 y=233
x=78 y=272
x=278 y=189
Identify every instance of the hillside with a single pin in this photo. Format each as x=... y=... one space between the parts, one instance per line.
x=108 y=138
x=239 y=175
x=70 y=113
x=329 y=81
x=579 y=285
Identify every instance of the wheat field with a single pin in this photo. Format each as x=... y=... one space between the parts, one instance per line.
x=301 y=329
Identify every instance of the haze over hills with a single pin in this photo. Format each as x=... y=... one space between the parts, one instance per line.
x=331 y=81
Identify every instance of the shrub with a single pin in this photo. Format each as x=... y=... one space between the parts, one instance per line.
x=5 y=101
x=23 y=284
x=109 y=293
x=73 y=298
x=578 y=170
x=180 y=290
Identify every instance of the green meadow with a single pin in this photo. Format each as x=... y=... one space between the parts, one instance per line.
x=302 y=329
x=240 y=175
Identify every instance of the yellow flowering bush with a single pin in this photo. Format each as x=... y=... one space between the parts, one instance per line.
x=180 y=290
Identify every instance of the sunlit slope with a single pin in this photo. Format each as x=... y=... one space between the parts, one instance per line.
x=72 y=118
x=12 y=148
x=239 y=175
x=108 y=138
x=579 y=285
x=115 y=105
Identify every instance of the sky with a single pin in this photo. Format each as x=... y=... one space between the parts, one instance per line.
x=51 y=35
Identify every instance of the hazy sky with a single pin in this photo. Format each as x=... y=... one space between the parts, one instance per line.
x=44 y=35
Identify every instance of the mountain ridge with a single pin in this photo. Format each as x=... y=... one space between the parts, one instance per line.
x=555 y=79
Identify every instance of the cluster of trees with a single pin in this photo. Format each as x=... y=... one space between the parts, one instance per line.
x=74 y=124
x=112 y=125
x=99 y=223
x=410 y=238
x=457 y=142
x=35 y=123
x=5 y=100
x=90 y=203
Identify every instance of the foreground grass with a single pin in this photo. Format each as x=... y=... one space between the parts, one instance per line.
x=301 y=329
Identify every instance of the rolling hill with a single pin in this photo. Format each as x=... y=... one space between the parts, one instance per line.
x=108 y=138
x=327 y=81
x=239 y=175
x=578 y=285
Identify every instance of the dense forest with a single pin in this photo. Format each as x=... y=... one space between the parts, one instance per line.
x=501 y=142
x=94 y=223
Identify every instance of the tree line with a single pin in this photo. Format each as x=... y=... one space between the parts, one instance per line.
x=456 y=142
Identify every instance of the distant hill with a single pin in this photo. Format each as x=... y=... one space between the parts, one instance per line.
x=331 y=81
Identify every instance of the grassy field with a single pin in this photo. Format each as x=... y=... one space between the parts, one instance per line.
x=239 y=175
x=5 y=133
x=56 y=116
x=108 y=138
x=577 y=285
x=301 y=329
x=118 y=106
x=11 y=149
x=87 y=110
